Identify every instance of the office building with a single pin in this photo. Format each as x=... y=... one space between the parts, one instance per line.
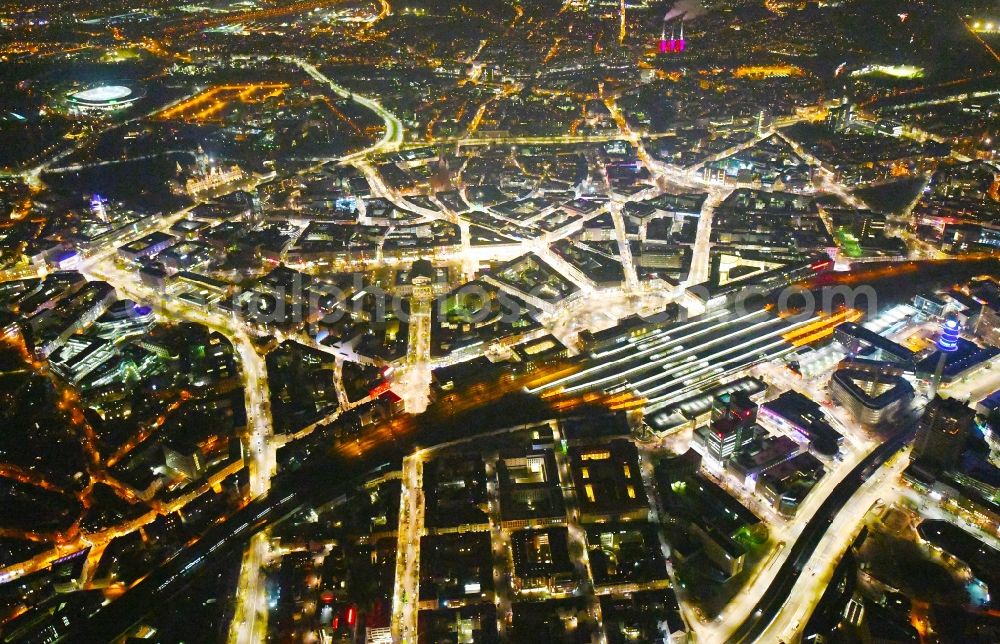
x=872 y=391
x=733 y=426
x=942 y=433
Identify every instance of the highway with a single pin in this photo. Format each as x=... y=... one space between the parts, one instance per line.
x=393 y=136
x=777 y=594
x=878 y=490
x=783 y=532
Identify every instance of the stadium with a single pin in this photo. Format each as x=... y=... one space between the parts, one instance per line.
x=103 y=97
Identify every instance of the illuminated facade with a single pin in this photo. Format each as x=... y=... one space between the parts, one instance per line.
x=674 y=44
x=103 y=98
x=948 y=341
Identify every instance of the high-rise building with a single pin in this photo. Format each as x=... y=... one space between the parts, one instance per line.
x=841 y=116
x=942 y=433
x=736 y=405
x=734 y=418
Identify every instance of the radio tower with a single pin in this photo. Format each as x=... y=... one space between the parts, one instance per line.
x=946 y=344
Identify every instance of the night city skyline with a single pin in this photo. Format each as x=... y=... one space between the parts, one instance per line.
x=485 y=322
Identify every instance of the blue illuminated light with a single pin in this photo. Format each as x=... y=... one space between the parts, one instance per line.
x=949 y=336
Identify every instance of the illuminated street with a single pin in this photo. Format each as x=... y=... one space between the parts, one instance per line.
x=877 y=491
x=367 y=322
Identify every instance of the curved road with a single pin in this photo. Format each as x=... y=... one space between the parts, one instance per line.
x=777 y=593
x=393 y=136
